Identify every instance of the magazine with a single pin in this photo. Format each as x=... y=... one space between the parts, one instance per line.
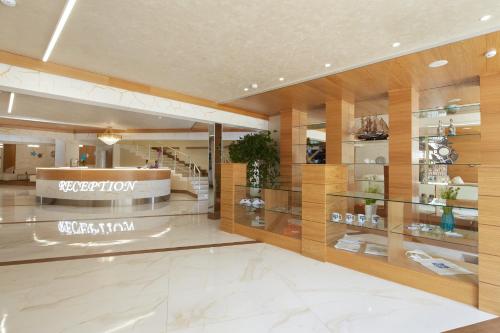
x=443 y=267
x=376 y=250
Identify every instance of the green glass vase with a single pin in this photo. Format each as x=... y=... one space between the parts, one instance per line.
x=447 y=219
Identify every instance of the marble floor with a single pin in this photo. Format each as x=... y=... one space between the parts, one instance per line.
x=232 y=288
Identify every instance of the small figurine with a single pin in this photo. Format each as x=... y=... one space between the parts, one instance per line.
x=452 y=129
x=440 y=129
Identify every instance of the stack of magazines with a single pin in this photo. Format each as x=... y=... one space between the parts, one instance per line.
x=376 y=250
x=348 y=244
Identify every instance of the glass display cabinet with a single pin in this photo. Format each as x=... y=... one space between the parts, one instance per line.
x=271 y=210
x=366 y=149
x=402 y=232
x=447 y=149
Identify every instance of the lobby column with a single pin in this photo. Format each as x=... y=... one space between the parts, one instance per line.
x=215 y=160
x=339 y=123
x=116 y=155
x=489 y=195
x=402 y=103
x=293 y=146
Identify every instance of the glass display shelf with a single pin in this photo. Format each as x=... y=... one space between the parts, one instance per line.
x=402 y=227
x=364 y=163
x=451 y=110
x=449 y=184
x=276 y=210
x=434 y=138
x=277 y=187
x=448 y=164
x=369 y=180
x=366 y=141
x=466 y=204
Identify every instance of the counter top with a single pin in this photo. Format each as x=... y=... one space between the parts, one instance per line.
x=91 y=174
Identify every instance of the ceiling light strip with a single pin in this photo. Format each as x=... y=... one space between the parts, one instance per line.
x=59 y=28
x=11 y=102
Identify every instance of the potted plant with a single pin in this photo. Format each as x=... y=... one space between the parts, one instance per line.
x=260 y=152
x=371 y=203
x=447 y=218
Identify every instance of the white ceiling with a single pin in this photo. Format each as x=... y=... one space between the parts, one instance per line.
x=214 y=49
x=57 y=111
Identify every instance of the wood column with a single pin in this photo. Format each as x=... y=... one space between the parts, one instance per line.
x=232 y=174
x=317 y=181
x=215 y=160
x=339 y=123
x=293 y=145
x=9 y=156
x=402 y=102
x=489 y=195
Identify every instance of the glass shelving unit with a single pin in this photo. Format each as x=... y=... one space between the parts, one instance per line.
x=400 y=228
x=448 y=159
x=276 y=210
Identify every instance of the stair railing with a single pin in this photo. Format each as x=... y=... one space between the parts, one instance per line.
x=193 y=168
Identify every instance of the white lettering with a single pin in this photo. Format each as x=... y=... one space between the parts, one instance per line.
x=83 y=228
x=105 y=186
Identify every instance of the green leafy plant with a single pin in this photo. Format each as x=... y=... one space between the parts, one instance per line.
x=450 y=193
x=373 y=190
x=257 y=150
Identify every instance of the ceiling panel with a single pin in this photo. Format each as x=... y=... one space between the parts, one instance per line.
x=62 y=112
x=214 y=49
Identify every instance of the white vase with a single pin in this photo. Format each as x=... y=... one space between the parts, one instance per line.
x=370 y=210
x=255 y=192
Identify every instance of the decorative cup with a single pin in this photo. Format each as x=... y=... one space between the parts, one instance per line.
x=361 y=219
x=336 y=217
x=375 y=219
x=349 y=218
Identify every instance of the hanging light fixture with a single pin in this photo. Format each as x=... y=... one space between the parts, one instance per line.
x=108 y=137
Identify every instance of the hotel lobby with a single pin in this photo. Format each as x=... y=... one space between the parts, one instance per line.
x=232 y=166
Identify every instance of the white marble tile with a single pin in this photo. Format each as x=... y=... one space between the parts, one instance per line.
x=189 y=308
x=294 y=321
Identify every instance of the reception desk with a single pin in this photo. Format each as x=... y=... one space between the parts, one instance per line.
x=101 y=187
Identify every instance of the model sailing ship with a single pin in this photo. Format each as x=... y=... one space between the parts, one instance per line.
x=372 y=128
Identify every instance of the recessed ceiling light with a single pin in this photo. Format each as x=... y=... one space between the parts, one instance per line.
x=282 y=79
x=485 y=18
x=59 y=27
x=9 y=3
x=11 y=102
x=438 y=63
x=80 y=146
x=34 y=146
x=255 y=85
x=491 y=53
x=246 y=89
x=328 y=65
x=454 y=100
x=396 y=44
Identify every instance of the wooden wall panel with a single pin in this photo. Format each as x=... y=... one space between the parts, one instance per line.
x=489 y=195
x=293 y=144
x=9 y=156
x=402 y=102
x=319 y=180
x=339 y=123
x=232 y=174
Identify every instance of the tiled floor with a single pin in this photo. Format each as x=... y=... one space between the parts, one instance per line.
x=238 y=288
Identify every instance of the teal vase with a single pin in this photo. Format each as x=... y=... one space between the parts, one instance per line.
x=447 y=219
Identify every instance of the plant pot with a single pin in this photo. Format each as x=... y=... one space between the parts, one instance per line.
x=447 y=219
x=370 y=210
x=255 y=192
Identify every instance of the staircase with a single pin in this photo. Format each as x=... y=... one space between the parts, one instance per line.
x=186 y=176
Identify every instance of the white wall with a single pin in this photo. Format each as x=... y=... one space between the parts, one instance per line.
x=27 y=163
